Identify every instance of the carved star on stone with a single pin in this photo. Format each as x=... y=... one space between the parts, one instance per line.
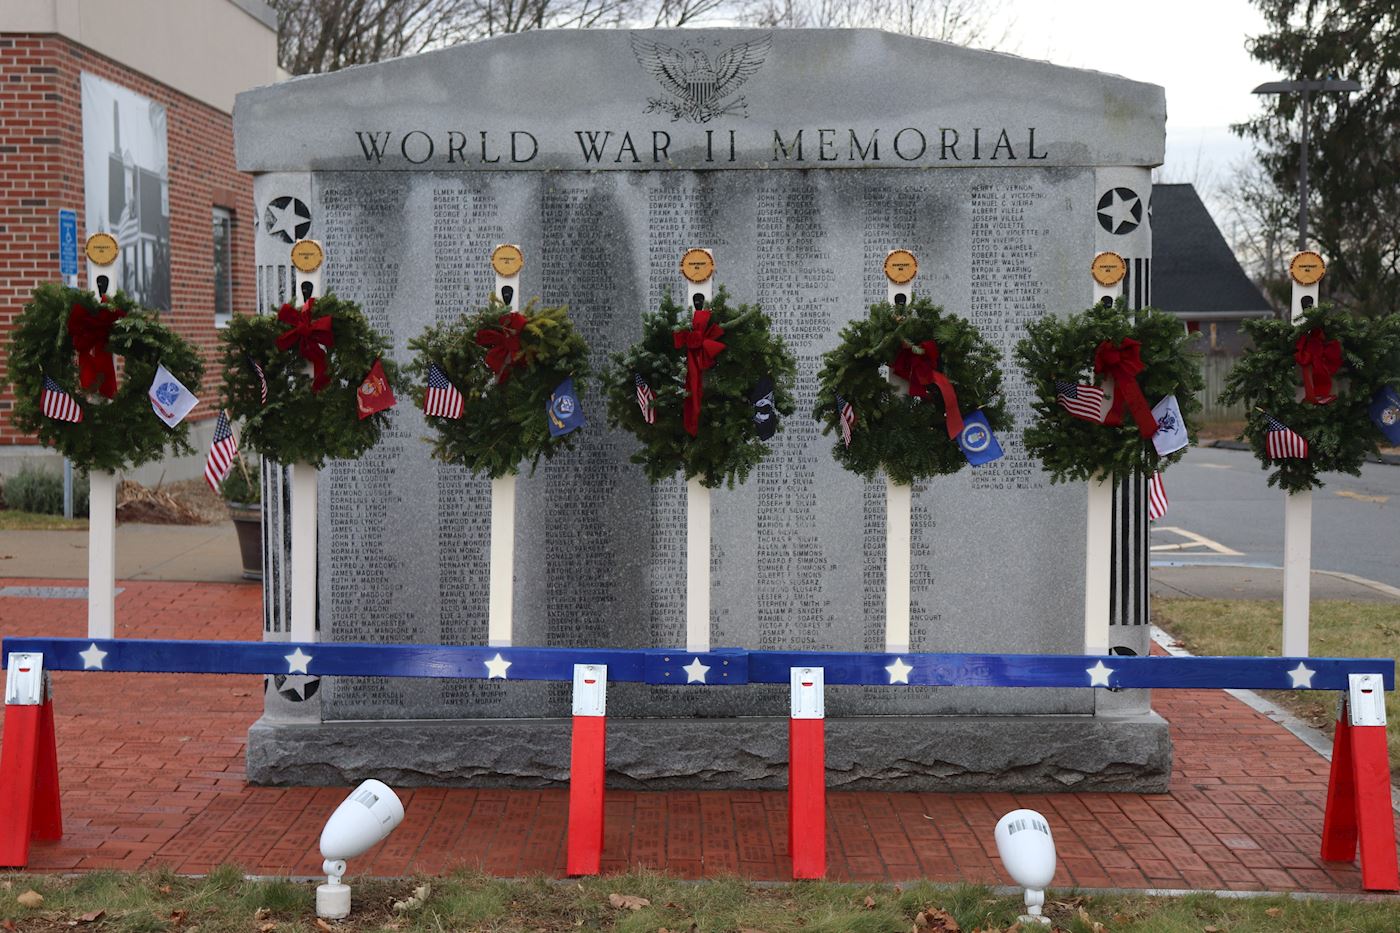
x=1302 y=676
x=1120 y=211
x=283 y=220
x=1098 y=674
x=496 y=667
x=899 y=671
x=297 y=661
x=92 y=657
x=695 y=672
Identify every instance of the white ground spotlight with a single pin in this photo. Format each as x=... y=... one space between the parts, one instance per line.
x=1028 y=851
x=368 y=815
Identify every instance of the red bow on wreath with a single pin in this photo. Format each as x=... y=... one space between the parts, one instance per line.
x=309 y=335
x=503 y=346
x=701 y=344
x=920 y=369
x=1123 y=363
x=89 y=330
x=1319 y=359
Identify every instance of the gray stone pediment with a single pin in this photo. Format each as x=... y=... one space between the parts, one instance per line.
x=700 y=99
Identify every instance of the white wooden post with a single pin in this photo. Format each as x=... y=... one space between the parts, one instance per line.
x=506 y=262
x=308 y=259
x=103 y=270
x=900 y=267
x=1306 y=270
x=698 y=271
x=1107 y=272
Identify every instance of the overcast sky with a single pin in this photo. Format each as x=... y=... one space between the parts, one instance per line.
x=1193 y=48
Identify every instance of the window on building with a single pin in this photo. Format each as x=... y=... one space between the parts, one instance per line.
x=223 y=266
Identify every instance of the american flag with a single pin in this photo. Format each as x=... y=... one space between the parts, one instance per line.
x=1081 y=400
x=847 y=416
x=645 y=399
x=262 y=379
x=1156 y=497
x=58 y=404
x=442 y=398
x=1281 y=443
x=221 y=453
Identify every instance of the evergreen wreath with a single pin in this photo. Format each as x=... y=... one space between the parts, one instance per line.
x=1268 y=380
x=298 y=423
x=726 y=447
x=1064 y=349
x=507 y=366
x=122 y=431
x=896 y=431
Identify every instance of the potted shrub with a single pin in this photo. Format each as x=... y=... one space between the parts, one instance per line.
x=242 y=491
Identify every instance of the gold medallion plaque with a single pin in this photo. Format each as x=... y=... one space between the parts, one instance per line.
x=307 y=255
x=507 y=260
x=101 y=249
x=1307 y=268
x=1109 y=268
x=697 y=265
x=901 y=266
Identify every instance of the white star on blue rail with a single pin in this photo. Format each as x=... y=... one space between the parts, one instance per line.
x=92 y=658
x=695 y=672
x=496 y=667
x=297 y=661
x=1302 y=676
x=1098 y=675
x=899 y=671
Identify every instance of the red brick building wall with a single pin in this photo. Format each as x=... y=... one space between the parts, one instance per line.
x=41 y=171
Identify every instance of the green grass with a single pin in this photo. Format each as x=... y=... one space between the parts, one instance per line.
x=1337 y=628
x=14 y=520
x=224 y=901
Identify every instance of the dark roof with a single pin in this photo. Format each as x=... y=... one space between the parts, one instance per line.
x=1194 y=270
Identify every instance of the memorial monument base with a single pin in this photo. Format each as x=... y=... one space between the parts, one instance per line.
x=1121 y=753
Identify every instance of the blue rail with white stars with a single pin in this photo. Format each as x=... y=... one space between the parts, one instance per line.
x=719 y=667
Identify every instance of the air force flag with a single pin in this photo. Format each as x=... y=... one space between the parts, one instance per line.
x=170 y=400
x=1385 y=412
x=1171 y=427
x=978 y=443
x=564 y=411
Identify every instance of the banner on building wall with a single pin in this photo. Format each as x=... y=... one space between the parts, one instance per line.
x=126 y=182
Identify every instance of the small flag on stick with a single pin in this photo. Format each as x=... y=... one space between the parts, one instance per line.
x=1281 y=443
x=847 y=416
x=58 y=404
x=442 y=399
x=646 y=399
x=262 y=379
x=375 y=394
x=1156 y=497
x=221 y=453
x=170 y=400
x=1081 y=400
x=565 y=413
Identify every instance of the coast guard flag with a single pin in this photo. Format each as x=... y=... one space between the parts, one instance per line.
x=221 y=453
x=1171 y=427
x=978 y=443
x=564 y=412
x=1385 y=412
x=58 y=404
x=170 y=400
x=1156 y=498
x=1083 y=401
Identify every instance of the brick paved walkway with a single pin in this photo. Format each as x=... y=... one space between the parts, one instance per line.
x=152 y=774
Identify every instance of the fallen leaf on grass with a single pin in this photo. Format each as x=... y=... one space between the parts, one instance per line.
x=267 y=927
x=323 y=926
x=164 y=889
x=262 y=913
x=628 y=901
x=869 y=902
x=1210 y=929
x=9 y=925
x=92 y=916
x=177 y=917
x=936 y=920
x=1274 y=911
x=30 y=899
x=419 y=896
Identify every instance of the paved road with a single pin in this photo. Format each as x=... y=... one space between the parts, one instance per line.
x=1224 y=497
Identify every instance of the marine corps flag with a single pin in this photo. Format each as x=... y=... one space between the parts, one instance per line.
x=374 y=394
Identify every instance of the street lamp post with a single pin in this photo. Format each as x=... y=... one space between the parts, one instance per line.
x=1307 y=89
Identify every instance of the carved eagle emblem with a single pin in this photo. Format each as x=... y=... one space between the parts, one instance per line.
x=701 y=89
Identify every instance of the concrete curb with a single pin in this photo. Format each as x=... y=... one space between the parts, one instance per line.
x=1392 y=459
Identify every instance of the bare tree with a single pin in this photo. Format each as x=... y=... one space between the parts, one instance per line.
x=1260 y=228
x=965 y=22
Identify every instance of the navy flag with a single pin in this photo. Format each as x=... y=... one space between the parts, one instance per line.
x=977 y=442
x=565 y=413
x=1385 y=413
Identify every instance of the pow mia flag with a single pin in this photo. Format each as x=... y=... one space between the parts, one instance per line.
x=765 y=415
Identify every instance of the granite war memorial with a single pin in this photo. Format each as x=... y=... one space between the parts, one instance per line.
x=800 y=159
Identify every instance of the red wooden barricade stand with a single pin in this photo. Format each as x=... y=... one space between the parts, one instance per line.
x=1358 y=789
x=29 y=804
x=587 y=765
x=807 y=774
